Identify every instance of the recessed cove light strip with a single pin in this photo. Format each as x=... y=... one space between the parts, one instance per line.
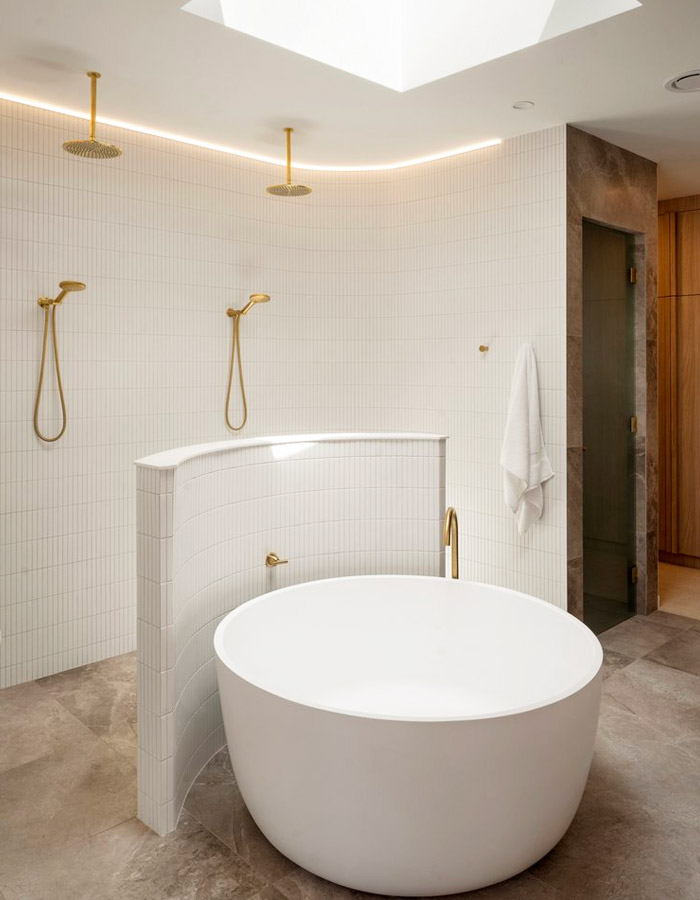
x=233 y=151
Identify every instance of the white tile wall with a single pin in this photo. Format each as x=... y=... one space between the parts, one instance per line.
x=331 y=506
x=383 y=285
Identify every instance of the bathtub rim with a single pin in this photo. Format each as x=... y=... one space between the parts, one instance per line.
x=579 y=685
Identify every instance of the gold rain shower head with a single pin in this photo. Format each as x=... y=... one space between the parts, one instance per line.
x=92 y=148
x=288 y=189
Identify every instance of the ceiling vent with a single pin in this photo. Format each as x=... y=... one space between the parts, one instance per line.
x=685 y=82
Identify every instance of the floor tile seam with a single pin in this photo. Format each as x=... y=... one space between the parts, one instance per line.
x=51 y=752
x=674 y=744
x=239 y=859
x=84 y=725
x=620 y=705
x=129 y=856
x=557 y=893
x=658 y=662
x=73 y=844
x=129 y=757
x=679 y=633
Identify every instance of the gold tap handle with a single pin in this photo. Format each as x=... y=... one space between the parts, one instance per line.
x=272 y=560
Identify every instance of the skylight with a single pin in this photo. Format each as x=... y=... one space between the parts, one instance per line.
x=403 y=44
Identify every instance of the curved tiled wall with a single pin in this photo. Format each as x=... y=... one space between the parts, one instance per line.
x=207 y=517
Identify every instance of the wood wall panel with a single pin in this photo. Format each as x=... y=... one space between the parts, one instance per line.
x=688 y=448
x=688 y=252
x=667 y=458
x=664 y=259
x=679 y=380
x=679 y=204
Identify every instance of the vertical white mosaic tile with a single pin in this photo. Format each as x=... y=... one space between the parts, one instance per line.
x=332 y=506
x=383 y=285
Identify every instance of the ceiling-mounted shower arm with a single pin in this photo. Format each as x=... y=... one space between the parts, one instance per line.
x=91 y=148
x=288 y=189
x=93 y=76
x=288 y=132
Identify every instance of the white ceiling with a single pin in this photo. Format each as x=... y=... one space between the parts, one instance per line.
x=175 y=72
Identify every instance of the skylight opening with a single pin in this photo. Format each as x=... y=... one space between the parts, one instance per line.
x=403 y=44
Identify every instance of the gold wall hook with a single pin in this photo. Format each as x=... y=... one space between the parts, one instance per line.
x=483 y=348
x=272 y=560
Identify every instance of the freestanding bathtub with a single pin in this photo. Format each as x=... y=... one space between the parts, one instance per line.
x=406 y=735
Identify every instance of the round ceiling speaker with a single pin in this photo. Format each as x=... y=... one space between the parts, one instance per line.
x=685 y=82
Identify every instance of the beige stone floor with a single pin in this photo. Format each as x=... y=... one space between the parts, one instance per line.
x=679 y=590
x=67 y=795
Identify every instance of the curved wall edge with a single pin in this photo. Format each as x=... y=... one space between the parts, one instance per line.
x=207 y=516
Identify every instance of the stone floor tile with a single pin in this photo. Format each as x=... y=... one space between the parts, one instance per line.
x=613 y=662
x=32 y=725
x=638 y=768
x=302 y=885
x=79 y=872
x=636 y=637
x=103 y=697
x=215 y=801
x=662 y=698
x=188 y=864
x=682 y=652
x=269 y=893
x=661 y=617
x=64 y=797
x=624 y=862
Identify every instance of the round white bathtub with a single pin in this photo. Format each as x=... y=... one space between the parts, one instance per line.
x=405 y=735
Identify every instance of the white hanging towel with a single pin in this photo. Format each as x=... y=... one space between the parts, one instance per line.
x=523 y=455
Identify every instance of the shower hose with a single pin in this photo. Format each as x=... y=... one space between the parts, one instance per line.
x=236 y=353
x=49 y=311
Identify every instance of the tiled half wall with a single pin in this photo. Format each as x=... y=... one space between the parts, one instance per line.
x=207 y=517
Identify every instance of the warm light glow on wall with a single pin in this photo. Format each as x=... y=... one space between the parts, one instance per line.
x=234 y=151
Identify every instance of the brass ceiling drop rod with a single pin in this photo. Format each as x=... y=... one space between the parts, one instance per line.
x=288 y=189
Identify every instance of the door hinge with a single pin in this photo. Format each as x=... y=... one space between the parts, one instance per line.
x=633 y=275
x=633 y=424
x=634 y=574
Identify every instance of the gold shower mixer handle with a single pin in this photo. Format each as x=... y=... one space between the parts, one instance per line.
x=272 y=560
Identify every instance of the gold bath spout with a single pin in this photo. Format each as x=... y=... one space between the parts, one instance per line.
x=450 y=537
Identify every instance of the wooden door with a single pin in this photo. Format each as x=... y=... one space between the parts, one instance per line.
x=679 y=380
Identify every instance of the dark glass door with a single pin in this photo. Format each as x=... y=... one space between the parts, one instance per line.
x=608 y=408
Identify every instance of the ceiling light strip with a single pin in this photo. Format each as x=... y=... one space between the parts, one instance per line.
x=233 y=151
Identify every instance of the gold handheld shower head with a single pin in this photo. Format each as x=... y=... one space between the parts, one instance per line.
x=289 y=189
x=92 y=148
x=67 y=287
x=236 y=315
x=49 y=306
x=253 y=299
